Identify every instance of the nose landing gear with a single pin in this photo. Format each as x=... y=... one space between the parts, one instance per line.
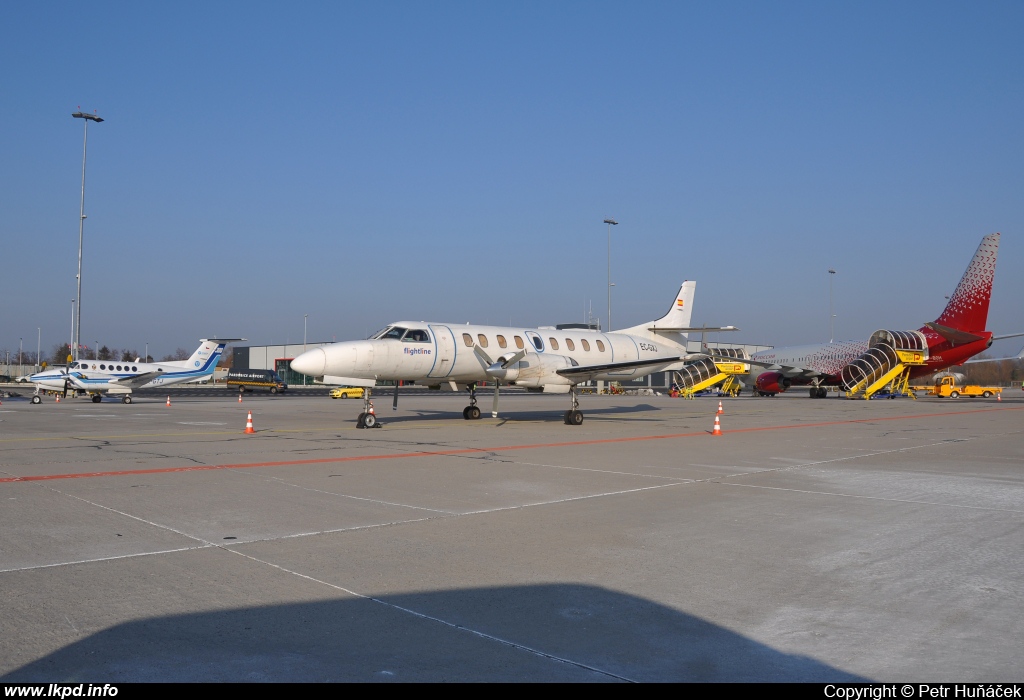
x=367 y=419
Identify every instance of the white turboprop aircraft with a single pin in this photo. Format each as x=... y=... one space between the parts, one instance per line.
x=98 y=377
x=553 y=361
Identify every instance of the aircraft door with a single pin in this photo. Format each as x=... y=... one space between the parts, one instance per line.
x=444 y=351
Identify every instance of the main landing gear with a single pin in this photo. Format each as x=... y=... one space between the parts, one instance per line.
x=573 y=416
x=472 y=411
x=367 y=419
x=818 y=392
x=127 y=398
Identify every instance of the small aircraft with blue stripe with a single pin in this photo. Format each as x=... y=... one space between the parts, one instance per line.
x=97 y=378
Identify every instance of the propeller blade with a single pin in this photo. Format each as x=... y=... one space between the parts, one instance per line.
x=514 y=359
x=494 y=404
x=479 y=351
x=65 y=389
x=394 y=404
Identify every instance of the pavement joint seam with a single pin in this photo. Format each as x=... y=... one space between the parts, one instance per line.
x=463 y=628
x=875 y=498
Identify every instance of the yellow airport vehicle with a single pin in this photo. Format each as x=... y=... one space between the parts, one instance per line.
x=947 y=388
x=706 y=373
x=347 y=392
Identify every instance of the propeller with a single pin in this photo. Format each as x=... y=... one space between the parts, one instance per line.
x=496 y=370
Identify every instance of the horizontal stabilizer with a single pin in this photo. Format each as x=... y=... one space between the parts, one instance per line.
x=952 y=335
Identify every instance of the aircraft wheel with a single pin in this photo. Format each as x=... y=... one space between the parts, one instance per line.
x=369 y=420
x=954 y=394
x=472 y=413
x=574 y=418
x=814 y=393
x=359 y=420
x=97 y=398
x=126 y=398
x=36 y=399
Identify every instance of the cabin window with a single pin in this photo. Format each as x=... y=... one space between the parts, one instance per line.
x=537 y=342
x=416 y=336
x=483 y=339
x=569 y=344
x=502 y=343
x=135 y=369
x=103 y=366
x=119 y=368
x=467 y=339
x=600 y=346
x=586 y=345
x=553 y=343
x=519 y=342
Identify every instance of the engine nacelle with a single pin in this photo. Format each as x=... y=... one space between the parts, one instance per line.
x=535 y=371
x=772 y=383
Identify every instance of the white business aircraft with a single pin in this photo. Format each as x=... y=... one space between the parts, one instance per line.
x=553 y=361
x=98 y=377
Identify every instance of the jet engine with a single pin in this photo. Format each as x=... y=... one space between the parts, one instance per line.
x=533 y=371
x=772 y=383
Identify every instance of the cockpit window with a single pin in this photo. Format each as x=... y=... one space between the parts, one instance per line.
x=416 y=336
x=392 y=333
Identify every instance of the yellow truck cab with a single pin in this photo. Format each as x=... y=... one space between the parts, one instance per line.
x=946 y=387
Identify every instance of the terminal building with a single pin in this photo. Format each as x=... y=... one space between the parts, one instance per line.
x=279 y=357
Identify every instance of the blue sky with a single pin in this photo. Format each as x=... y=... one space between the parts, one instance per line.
x=368 y=162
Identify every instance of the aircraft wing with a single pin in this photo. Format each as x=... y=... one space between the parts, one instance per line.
x=790 y=371
x=139 y=380
x=585 y=373
x=1018 y=356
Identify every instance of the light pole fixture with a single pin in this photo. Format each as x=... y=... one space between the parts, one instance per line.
x=77 y=336
x=610 y=222
x=831 y=315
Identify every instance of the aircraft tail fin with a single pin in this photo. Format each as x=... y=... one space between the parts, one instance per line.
x=208 y=354
x=967 y=309
x=677 y=317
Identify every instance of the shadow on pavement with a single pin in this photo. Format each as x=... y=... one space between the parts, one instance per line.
x=556 y=632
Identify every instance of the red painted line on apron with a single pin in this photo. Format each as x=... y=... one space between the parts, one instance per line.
x=483 y=450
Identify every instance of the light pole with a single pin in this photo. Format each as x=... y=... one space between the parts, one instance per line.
x=304 y=317
x=86 y=118
x=831 y=316
x=610 y=222
x=72 y=343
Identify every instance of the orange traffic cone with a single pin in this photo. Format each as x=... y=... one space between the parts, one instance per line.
x=239 y=398
x=58 y=398
x=720 y=411
x=718 y=427
x=999 y=396
x=168 y=401
x=248 y=424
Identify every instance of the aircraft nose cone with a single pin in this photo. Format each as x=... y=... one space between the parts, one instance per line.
x=311 y=363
